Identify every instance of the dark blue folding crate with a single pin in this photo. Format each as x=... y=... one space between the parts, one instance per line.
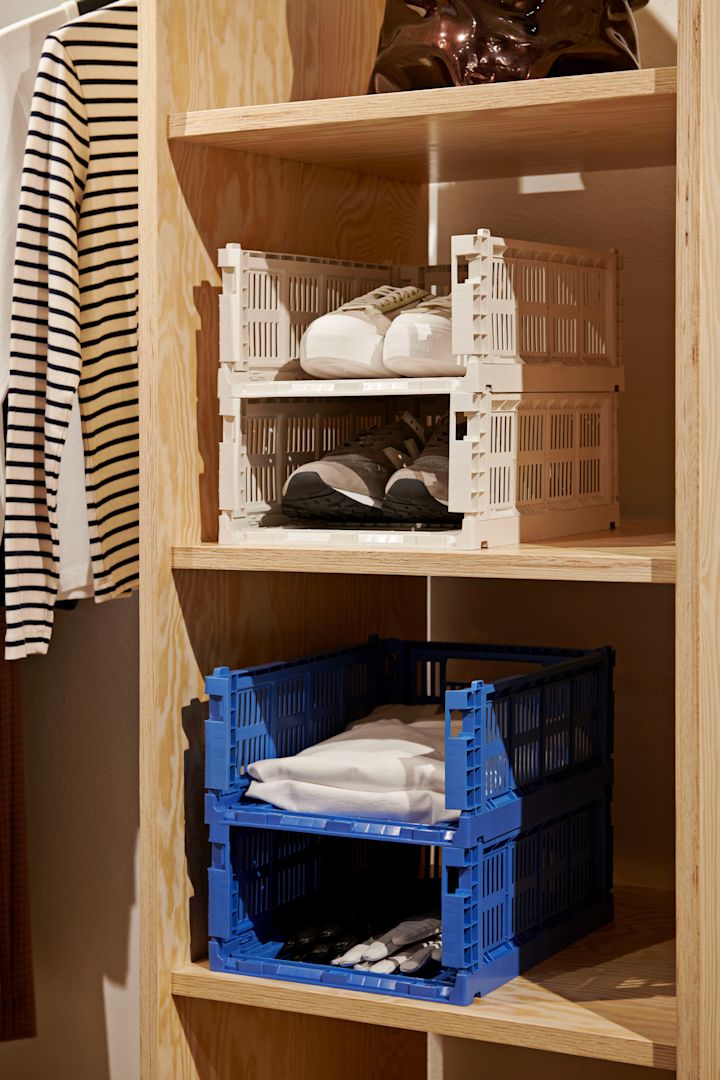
x=512 y=743
x=506 y=904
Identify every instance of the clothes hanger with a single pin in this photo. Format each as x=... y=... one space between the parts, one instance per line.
x=86 y=6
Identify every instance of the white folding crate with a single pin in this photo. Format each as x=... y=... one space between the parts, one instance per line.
x=533 y=420
x=526 y=316
x=523 y=467
x=537 y=305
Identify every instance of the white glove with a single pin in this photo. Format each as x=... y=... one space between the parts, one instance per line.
x=405 y=933
x=431 y=950
x=354 y=955
x=409 y=961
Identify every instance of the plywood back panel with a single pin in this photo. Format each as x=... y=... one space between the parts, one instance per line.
x=290 y=1046
x=638 y=622
x=634 y=212
x=460 y=1059
x=194 y=55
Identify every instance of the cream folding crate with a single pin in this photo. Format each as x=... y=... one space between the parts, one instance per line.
x=532 y=449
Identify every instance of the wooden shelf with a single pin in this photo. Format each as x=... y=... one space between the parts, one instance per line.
x=611 y=996
x=611 y=121
x=642 y=553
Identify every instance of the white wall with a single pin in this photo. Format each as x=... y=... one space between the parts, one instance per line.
x=13 y=10
x=80 y=710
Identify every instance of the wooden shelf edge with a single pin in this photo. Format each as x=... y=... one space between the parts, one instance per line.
x=213 y=124
x=633 y=554
x=554 y=1009
x=197 y=982
x=614 y=120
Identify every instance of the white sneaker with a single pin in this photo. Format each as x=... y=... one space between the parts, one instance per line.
x=348 y=343
x=419 y=341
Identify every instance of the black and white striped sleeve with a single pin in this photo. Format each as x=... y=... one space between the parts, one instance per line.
x=45 y=346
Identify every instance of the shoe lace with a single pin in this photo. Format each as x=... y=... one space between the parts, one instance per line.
x=372 y=438
x=439 y=436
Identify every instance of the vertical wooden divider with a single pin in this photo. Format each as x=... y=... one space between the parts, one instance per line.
x=202 y=55
x=698 y=536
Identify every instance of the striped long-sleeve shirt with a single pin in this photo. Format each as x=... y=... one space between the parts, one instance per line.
x=74 y=319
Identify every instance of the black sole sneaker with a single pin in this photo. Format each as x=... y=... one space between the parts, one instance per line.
x=307 y=496
x=349 y=483
x=419 y=491
x=410 y=500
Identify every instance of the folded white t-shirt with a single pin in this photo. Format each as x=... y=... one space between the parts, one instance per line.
x=398 y=747
x=420 y=807
x=388 y=766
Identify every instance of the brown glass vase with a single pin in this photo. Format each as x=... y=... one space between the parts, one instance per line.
x=426 y=44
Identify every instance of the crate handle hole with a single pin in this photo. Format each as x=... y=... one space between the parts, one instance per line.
x=453 y=879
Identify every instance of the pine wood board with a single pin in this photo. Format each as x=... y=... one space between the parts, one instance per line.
x=639 y=623
x=609 y=121
x=611 y=996
x=194 y=200
x=463 y=1059
x=698 y=510
x=639 y=553
x=230 y=1042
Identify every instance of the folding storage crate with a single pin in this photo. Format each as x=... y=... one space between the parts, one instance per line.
x=526 y=869
x=533 y=427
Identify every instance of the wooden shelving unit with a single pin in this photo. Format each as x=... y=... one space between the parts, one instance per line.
x=611 y=996
x=255 y=128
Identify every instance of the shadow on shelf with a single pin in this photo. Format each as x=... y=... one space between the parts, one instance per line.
x=596 y=968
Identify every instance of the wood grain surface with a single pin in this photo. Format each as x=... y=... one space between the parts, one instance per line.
x=634 y=553
x=638 y=622
x=330 y=185
x=698 y=509
x=461 y=1059
x=609 y=121
x=232 y=1041
x=192 y=201
x=611 y=996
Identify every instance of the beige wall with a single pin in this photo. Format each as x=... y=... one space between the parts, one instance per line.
x=13 y=10
x=81 y=747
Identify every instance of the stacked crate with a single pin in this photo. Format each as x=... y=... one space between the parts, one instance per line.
x=525 y=870
x=533 y=422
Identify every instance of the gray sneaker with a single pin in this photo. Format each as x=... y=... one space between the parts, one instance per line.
x=419 y=492
x=349 y=483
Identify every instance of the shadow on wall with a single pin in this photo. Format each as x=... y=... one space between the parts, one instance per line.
x=656 y=31
x=197 y=834
x=209 y=423
x=81 y=750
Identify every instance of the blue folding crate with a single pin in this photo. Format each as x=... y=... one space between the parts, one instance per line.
x=511 y=742
x=506 y=904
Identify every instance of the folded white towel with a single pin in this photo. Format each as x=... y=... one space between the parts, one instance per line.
x=422 y=807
